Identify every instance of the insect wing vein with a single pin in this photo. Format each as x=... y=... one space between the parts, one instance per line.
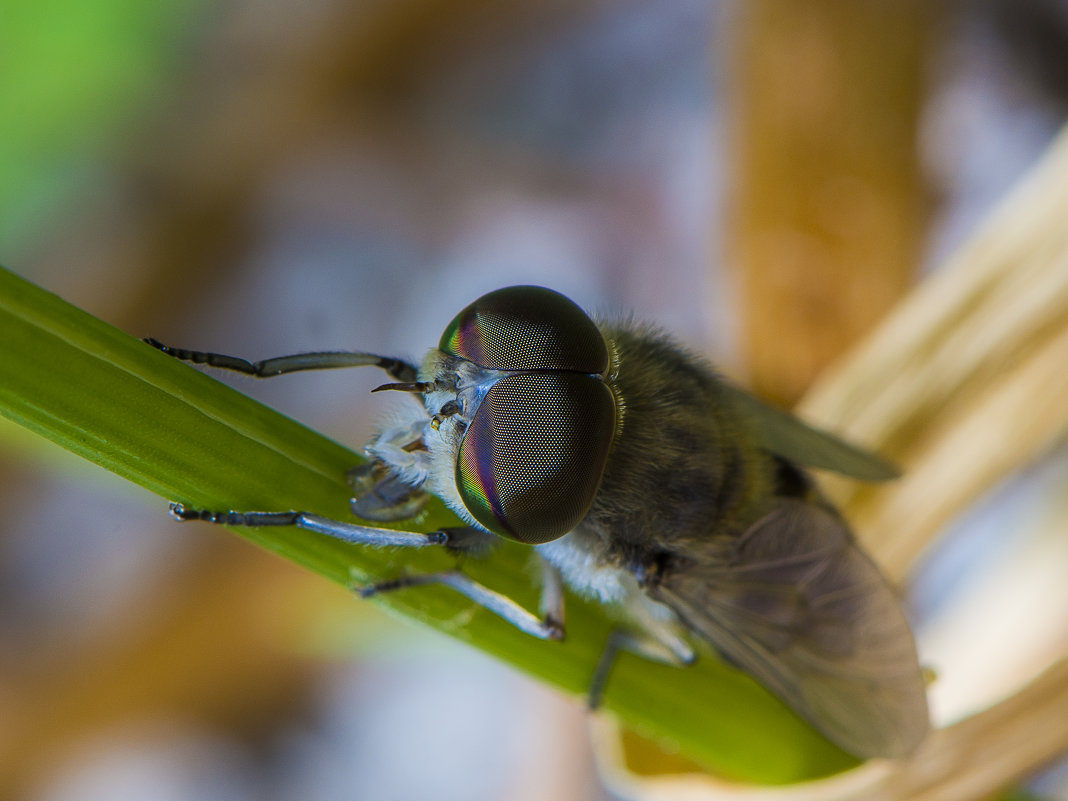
x=800 y=608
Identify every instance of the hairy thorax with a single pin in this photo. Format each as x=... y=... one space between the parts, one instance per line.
x=681 y=467
x=679 y=471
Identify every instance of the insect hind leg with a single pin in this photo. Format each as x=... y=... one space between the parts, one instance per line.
x=666 y=648
x=550 y=626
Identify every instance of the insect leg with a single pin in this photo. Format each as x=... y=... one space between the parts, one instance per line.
x=381 y=495
x=349 y=532
x=322 y=360
x=551 y=604
x=545 y=628
x=673 y=651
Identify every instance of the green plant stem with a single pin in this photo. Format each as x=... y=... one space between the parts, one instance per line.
x=186 y=437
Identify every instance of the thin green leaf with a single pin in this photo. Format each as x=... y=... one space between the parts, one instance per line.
x=186 y=437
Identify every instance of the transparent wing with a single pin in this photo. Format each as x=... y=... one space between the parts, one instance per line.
x=785 y=435
x=796 y=604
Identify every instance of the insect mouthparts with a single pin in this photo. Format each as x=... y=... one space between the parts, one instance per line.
x=407 y=386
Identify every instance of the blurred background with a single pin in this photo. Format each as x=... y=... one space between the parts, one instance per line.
x=765 y=180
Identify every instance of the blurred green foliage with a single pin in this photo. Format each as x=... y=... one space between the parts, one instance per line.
x=72 y=73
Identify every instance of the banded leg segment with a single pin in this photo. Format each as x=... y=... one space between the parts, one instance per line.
x=348 y=532
x=548 y=627
x=268 y=368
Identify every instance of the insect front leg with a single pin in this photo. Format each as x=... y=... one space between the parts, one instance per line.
x=268 y=368
x=388 y=487
x=348 y=532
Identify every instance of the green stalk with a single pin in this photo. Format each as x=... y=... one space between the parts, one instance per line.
x=186 y=437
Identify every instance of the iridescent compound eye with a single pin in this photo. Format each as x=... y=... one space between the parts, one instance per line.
x=526 y=328
x=531 y=461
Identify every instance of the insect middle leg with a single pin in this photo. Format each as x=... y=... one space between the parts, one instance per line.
x=550 y=626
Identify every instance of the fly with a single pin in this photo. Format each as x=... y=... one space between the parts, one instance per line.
x=641 y=479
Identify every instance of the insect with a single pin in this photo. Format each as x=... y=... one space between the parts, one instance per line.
x=642 y=479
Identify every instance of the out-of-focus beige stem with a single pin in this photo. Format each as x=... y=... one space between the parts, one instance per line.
x=967 y=380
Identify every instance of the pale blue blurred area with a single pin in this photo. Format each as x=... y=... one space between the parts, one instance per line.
x=444 y=723
x=158 y=760
x=589 y=158
x=60 y=531
x=1007 y=129
x=986 y=536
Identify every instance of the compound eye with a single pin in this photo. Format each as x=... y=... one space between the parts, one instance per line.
x=532 y=459
x=526 y=328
